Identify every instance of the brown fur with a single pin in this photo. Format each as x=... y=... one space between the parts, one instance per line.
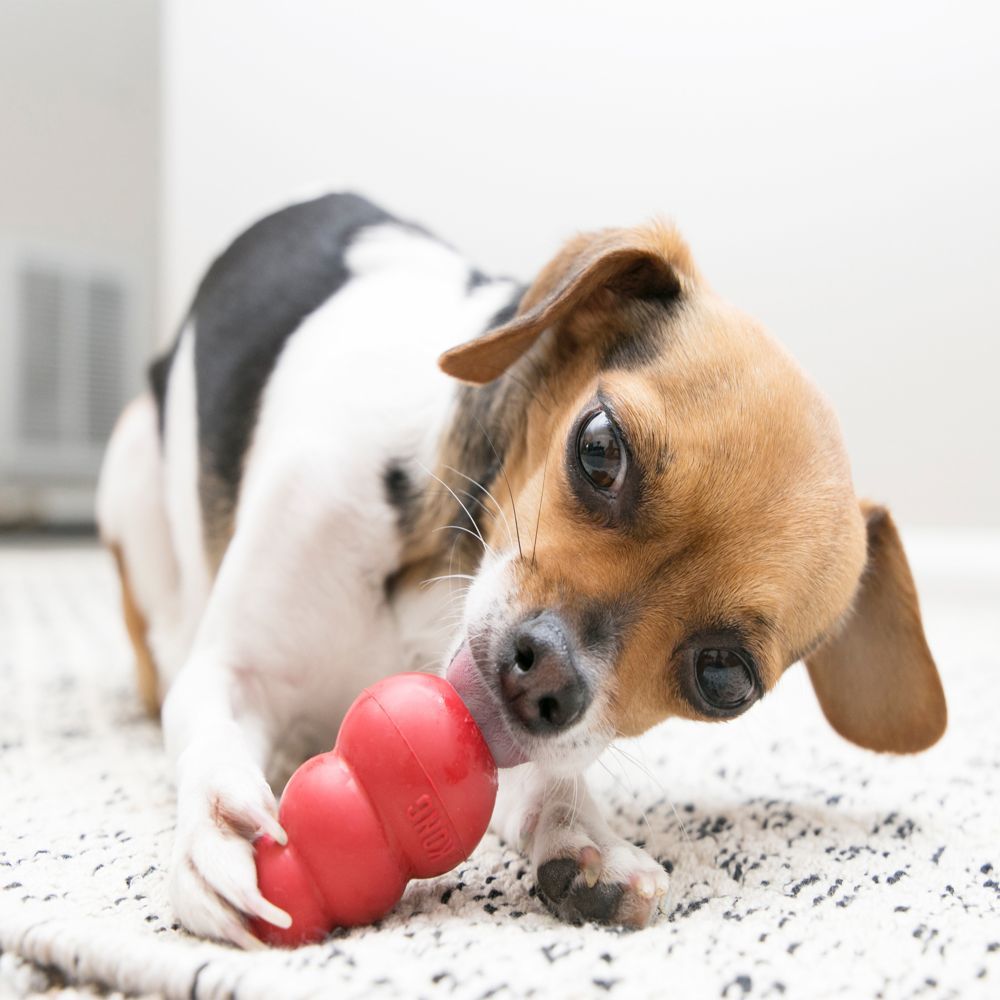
x=750 y=518
x=875 y=678
x=135 y=623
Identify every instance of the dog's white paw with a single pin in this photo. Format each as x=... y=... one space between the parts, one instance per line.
x=604 y=878
x=213 y=878
x=583 y=870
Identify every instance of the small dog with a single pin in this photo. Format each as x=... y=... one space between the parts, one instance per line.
x=631 y=505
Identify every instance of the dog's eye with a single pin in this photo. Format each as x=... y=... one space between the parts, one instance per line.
x=599 y=448
x=725 y=679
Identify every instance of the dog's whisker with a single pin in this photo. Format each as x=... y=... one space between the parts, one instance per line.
x=464 y=493
x=476 y=483
x=446 y=576
x=503 y=471
x=475 y=524
x=614 y=777
x=480 y=486
x=451 y=569
x=652 y=777
x=632 y=791
x=458 y=527
x=576 y=799
x=527 y=389
x=479 y=503
x=492 y=513
x=457 y=590
x=543 y=379
x=453 y=620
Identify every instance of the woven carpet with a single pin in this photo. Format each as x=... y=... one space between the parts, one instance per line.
x=801 y=866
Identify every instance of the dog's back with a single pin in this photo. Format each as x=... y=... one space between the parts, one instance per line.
x=300 y=392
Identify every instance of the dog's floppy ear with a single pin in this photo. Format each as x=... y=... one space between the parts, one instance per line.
x=875 y=678
x=650 y=262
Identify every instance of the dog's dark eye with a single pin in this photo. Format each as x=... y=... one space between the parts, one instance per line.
x=602 y=457
x=724 y=677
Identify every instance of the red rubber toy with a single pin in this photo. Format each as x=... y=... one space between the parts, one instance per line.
x=407 y=792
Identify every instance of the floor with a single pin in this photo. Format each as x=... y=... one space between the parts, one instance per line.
x=801 y=866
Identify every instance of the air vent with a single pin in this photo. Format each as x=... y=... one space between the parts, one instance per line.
x=70 y=368
x=42 y=314
x=104 y=374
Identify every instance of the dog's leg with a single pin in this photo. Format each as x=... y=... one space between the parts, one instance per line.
x=133 y=524
x=583 y=871
x=220 y=743
x=296 y=624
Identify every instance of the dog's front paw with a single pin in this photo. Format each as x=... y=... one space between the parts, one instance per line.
x=213 y=877
x=611 y=883
x=583 y=871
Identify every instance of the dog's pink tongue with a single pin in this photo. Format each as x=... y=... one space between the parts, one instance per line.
x=464 y=677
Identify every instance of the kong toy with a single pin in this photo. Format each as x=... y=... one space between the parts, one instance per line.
x=407 y=792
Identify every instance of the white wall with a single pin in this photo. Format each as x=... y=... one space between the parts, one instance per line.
x=834 y=165
x=80 y=129
x=80 y=108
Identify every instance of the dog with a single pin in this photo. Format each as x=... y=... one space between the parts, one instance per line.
x=613 y=501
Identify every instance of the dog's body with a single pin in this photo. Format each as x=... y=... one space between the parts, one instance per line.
x=650 y=501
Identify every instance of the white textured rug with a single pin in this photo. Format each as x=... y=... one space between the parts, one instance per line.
x=801 y=866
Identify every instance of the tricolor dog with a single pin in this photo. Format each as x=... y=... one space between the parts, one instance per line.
x=600 y=501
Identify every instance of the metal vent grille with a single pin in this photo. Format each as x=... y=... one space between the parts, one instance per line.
x=104 y=375
x=70 y=378
x=42 y=321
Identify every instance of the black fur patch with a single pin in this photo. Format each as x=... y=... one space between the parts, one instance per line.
x=632 y=349
x=641 y=336
x=601 y=625
x=475 y=279
x=252 y=299
x=650 y=279
x=249 y=303
x=159 y=376
x=401 y=494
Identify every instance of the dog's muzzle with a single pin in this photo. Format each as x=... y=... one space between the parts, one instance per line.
x=534 y=688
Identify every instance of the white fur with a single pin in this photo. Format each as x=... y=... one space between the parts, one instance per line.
x=556 y=819
x=262 y=660
x=132 y=518
x=180 y=454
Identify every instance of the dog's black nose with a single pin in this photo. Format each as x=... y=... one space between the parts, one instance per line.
x=539 y=677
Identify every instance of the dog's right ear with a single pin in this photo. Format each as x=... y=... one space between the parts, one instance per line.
x=649 y=262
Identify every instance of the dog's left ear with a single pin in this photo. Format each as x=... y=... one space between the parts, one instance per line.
x=875 y=679
x=650 y=262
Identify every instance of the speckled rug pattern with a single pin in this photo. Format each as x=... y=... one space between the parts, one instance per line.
x=801 y=866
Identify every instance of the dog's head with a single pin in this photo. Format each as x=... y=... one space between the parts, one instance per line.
x=675 y=522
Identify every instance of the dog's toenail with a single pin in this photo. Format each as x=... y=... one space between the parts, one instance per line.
x=590 y=862
x=644 y=885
